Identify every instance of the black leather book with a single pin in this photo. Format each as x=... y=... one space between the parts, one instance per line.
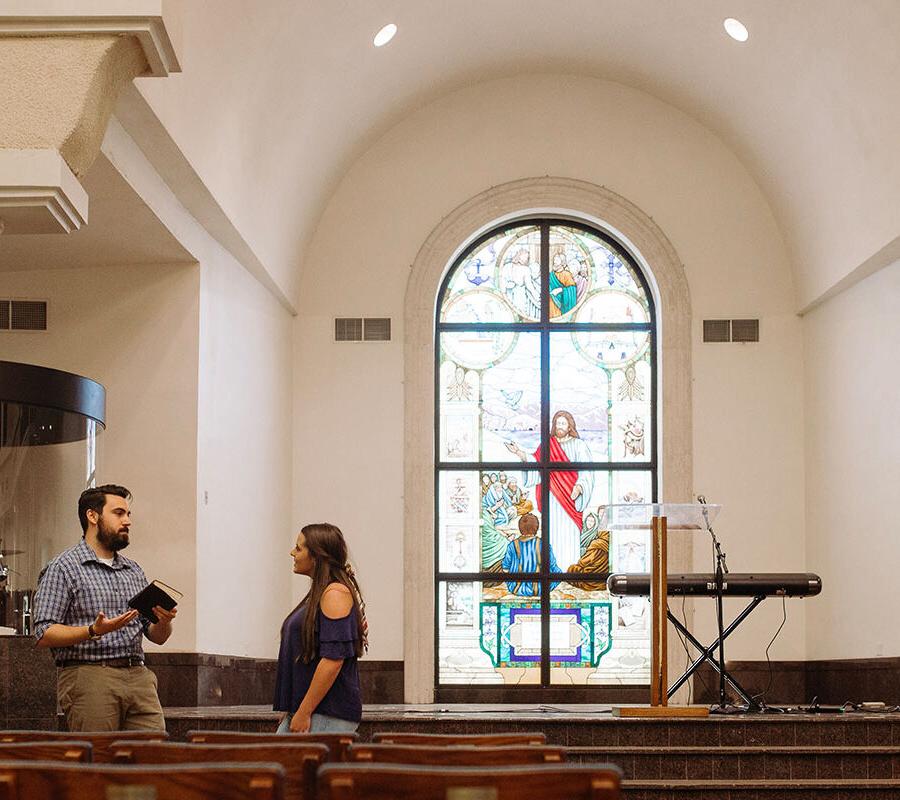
x=153 y=594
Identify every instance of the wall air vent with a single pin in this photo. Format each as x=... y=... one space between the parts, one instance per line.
x=348 y=329
x=716 y=330
x=731 y=330
x=356 y=329
x=377 y=329
x=745 y=330
x=23 y=315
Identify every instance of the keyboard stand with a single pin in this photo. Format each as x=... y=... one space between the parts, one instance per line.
x=706 y=653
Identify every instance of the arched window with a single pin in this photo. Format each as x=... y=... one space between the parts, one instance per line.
x=545 y=387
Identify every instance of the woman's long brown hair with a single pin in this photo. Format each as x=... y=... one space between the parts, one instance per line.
x=328 y=549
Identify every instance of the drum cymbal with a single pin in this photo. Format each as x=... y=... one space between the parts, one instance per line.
x=5 y=552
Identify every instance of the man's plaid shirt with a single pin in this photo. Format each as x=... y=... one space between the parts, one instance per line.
x=76 y=586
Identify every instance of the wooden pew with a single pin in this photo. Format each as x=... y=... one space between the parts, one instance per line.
x=478 y=739
x=99 y=740
x=57 y=750
x=395 y=782
x=48 y=780
x=455 y=755
x=299 y=759
x=337 y=742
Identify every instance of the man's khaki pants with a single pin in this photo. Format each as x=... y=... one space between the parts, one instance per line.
x=98 y=698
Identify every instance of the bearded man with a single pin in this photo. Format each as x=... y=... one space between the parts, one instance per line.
x=82 y=614
x=570 y=490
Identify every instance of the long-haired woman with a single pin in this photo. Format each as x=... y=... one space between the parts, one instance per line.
x=317 y=685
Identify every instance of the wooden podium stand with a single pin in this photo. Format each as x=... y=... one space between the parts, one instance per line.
x=659 y=679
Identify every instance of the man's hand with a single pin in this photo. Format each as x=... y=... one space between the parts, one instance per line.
x=59 y=635
x=102 y=625
x=160 y=631
x=164 y=615
x=576 y=492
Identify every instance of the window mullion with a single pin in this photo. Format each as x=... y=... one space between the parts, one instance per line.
x=545 y=453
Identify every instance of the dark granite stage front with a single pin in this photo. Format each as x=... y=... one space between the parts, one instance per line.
x=824 y=756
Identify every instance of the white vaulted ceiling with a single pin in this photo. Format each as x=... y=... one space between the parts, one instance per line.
x=278 y=97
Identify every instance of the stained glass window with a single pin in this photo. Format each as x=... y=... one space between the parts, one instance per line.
x=546 y=407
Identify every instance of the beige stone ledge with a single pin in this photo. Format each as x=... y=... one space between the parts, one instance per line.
x=62 y=67
x=39 y=193
x=58 y=93
x=143 y=20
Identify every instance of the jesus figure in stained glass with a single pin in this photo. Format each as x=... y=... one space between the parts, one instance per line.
x=570 y=490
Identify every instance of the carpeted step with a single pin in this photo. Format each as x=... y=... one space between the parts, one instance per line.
x=762 y=790
x=747 y=763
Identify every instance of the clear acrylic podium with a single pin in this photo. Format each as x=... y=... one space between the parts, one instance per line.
x=659 y=519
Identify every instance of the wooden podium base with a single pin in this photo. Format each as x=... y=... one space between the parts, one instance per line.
x=658 y=645
x=660 y=711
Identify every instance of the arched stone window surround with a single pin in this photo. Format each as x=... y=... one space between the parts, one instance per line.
x=544 y=196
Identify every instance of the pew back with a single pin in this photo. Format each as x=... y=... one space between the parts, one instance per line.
x=478 y=739
x=299 y=759
x=456 y=755
x=61 y=750
x=99 y=740
x=337 y=743
x=47 y=780
x=395 y=782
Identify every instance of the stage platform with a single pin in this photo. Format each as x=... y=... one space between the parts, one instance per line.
x=578 y=725
x=740 y=756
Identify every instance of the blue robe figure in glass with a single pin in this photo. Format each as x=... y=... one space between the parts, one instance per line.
x=524 y=555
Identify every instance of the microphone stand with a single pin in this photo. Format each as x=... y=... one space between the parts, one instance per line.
x=721 y=572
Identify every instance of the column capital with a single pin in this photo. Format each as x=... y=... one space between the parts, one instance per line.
x=144 y=20
x=62 y=68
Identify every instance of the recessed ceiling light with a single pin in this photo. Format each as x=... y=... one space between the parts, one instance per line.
x=736 y=29
x=384 y=35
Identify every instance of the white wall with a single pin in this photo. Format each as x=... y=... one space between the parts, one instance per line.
x=748 y=456
x=133 y=329
x=853 y=469
x=348 y=449
x=196 y=362
x=348 y=399
x=242 y=428
x=243 y=480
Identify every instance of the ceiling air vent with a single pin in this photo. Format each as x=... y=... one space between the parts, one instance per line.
x=745 y=330
x=716 y=330
x=23 y=315
x=348 y=329
x=377 y=329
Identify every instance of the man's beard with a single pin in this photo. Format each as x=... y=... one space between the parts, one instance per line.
x=110 y=538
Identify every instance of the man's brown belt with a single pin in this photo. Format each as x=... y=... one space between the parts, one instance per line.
x=124 y=661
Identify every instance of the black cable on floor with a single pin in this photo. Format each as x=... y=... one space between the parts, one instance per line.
x=762 y=695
